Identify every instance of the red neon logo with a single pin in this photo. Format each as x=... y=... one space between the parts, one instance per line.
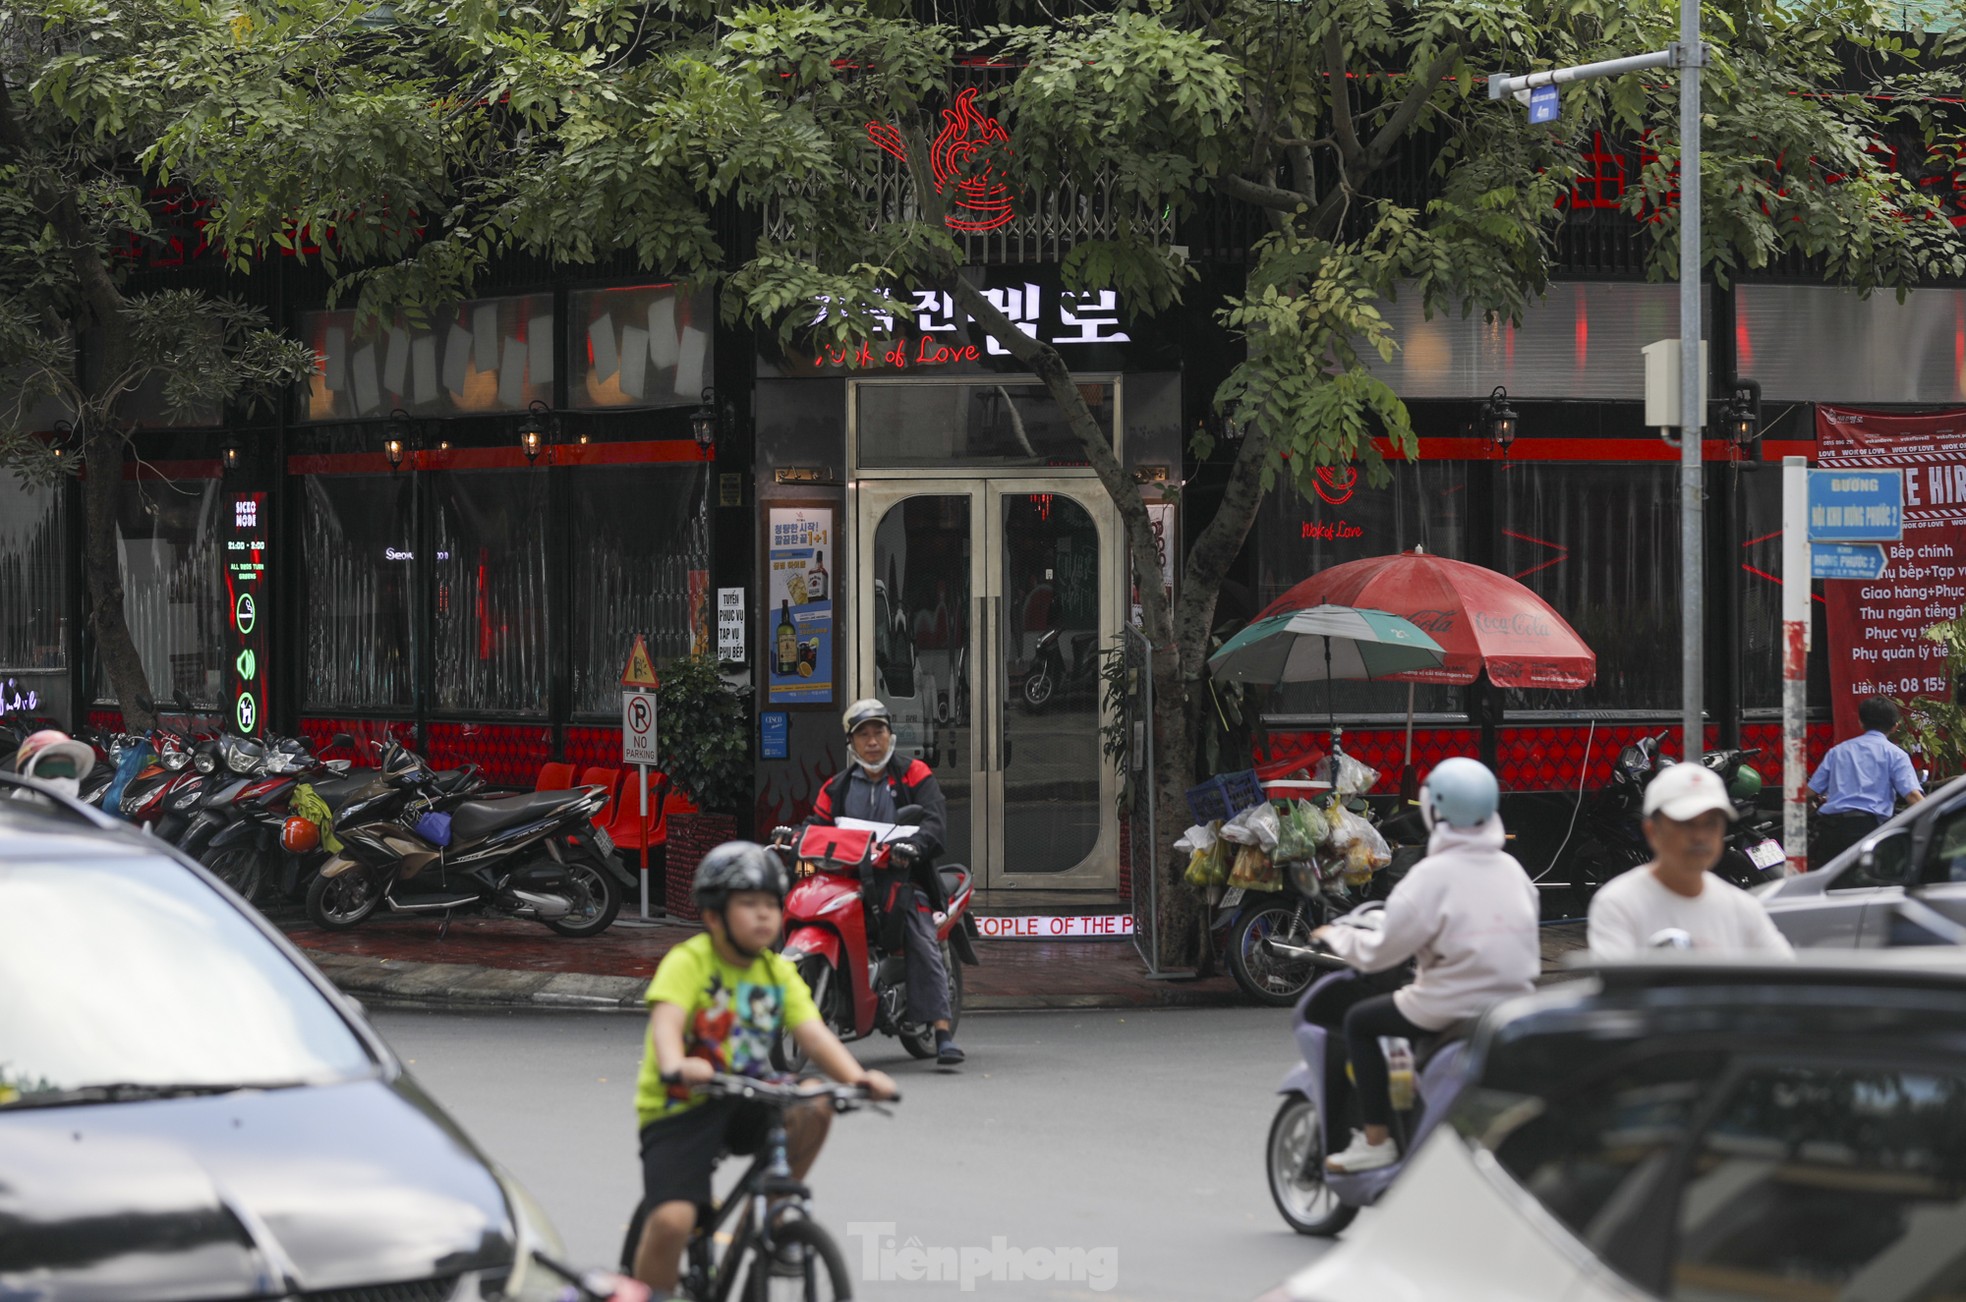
x=982 y=200
x=1335 y=486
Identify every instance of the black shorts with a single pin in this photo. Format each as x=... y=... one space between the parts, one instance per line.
x=679 y=1153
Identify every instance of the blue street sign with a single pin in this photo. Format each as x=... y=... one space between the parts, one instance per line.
x=1846 y=561
x=774 y=734
x=1856 y=505
x=1542 y=105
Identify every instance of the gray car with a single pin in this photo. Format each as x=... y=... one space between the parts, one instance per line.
x=1904 y=884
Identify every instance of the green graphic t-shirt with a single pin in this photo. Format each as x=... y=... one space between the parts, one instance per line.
x=731 y=1015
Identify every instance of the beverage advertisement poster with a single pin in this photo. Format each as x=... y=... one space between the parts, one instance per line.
x=798 y=607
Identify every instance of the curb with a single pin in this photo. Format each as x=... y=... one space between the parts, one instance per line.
x=394 y=983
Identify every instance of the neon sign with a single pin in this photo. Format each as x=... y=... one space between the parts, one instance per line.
x=1083 y=317
x=982 y=200
x=15 y=699
x=245 y=586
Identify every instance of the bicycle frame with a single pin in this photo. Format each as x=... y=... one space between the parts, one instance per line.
x=768 y=1176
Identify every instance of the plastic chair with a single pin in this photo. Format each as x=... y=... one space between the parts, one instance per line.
x=603 y=777
x=554 y=777
x=625 y=828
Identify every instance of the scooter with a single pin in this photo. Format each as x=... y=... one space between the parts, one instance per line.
x=1752 y=853
x=1425 y=1080
x=1613 y=841
x=1050 y=677
x=536 y=856
x=833 y=925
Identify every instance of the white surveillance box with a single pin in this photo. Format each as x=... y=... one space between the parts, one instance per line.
x=1662 y=384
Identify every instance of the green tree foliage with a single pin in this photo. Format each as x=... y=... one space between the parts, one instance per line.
x=1934 y=726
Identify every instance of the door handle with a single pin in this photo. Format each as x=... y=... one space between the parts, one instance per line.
x=999 y=682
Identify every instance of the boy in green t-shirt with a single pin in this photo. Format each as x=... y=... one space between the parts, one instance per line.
x=717 y=1003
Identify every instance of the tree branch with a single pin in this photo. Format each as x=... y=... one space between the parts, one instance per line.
x=1262 y=196
x=1390 y=136
x=1350 y=152
x=1216 y=548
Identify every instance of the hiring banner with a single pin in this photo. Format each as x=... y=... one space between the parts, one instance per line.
x=1877 y=626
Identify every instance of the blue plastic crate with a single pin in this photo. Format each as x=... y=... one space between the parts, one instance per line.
x=1224 y=796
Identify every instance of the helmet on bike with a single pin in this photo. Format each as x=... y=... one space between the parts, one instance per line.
x=865 y=711
x=733 y=867
x=52 y=753
x=1460 y=793
x=1746 y=784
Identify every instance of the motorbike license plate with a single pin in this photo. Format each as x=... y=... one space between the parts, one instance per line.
x=602 y=839
x=1231 y=897
x=1767 y=854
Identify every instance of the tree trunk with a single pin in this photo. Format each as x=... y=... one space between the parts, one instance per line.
x=102 y=492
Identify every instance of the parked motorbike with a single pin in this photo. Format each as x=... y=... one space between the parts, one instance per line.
x=237 y=830
x=536 y=856
x=355 y=798
x=833 y=928
x=1612 y=840
x=1051 y=677
x=1425 y=1079
x=1753 y=853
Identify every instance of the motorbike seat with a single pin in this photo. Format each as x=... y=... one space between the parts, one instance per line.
x=1082 y=643
x=1426 y=1047
x=955 y=879
x=450 y=779
x=480 y=818
x=337 y=791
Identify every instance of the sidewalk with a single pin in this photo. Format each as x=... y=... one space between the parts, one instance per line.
x=500 y=963
x=496 y=962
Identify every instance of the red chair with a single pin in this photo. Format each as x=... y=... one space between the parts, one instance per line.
x=554 y=777
x=625 y=827
x=608 y=778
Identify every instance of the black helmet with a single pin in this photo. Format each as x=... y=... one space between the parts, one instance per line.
x=736 y=866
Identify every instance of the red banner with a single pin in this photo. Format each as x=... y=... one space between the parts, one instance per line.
x=1877 y=640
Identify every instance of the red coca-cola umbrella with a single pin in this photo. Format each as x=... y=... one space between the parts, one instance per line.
x=1481 y=619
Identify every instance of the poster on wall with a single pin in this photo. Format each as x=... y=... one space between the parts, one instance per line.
x=798 y=607
x=1877 y=627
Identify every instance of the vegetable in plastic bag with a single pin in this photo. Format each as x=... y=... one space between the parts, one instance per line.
x=1208 y=865
x=1303 y=831
x=1255 y=871
x=1255 y=826
x=1350 y=777
x=1198 y=837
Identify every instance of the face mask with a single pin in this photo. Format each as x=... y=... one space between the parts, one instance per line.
x=875 y=766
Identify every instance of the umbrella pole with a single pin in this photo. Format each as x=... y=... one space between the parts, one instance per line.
x=1330 y=696
x=1409 y=725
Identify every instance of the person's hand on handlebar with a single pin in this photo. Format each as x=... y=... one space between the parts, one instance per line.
x=692 y=1071
x=880 y=1085
x=782 y=834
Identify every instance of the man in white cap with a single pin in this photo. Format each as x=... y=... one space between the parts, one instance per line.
x=1675 y=902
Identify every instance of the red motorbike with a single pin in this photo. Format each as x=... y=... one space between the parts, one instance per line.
x=844 y=886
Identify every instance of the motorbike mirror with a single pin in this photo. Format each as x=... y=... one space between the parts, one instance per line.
x=909 y=816
x=179 y=699
x=146 y=702
x=342 y=739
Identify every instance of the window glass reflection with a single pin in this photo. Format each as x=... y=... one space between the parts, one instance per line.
x=357 y=541
x=173 y=590
x=972 y=424
x=641 y=564
x=488 y=625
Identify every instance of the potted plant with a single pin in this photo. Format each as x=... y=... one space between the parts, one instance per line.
x=705 y=731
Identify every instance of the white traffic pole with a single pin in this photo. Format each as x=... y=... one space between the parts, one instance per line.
x=642 y=781
x=1795 y=660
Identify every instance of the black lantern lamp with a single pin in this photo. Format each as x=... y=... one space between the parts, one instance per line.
x=230 y=457
x=398 y=438
x=63 y=432
x=535 y=429
x=1742 y=421
x=703 y=421
x=1499 y=418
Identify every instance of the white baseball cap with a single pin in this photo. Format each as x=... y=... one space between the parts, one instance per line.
x=1682 y=792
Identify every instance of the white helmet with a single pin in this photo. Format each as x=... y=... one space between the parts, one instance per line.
x=1460 y=792
x=866 y=710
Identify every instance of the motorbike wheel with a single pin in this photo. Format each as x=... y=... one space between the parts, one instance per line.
x=1295 y=1158
x=338 y=903
x=1039 y=686
x=596 y=899
x=1264 y=977
x=240 y=867
x=921 y=1043
x=817 y=973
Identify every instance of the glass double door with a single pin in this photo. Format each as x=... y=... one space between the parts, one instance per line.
x=986 y=606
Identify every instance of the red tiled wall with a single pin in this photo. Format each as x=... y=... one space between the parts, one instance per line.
x=104 y=720
x=509 y=753
x=363 y=731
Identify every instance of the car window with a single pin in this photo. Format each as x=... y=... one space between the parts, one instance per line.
x=129 y=970
x=1831 y=1182
x=1890 y=864
x=1946 y=860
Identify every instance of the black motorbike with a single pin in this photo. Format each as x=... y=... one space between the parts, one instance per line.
x=536 y=856
x=1051 y=677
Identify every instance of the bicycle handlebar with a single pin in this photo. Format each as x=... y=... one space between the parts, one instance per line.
x=842 y=1097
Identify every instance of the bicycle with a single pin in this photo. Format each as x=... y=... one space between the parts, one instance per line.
x=776 y=1249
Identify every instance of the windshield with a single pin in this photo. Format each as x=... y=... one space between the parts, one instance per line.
x=127 y=976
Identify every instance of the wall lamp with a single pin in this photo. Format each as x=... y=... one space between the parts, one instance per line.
x=230 y=457
x=398 y=438
x=1742 y=421
x=535 y=429
x=1499 y=419
x=703 y=421
x=63 y=432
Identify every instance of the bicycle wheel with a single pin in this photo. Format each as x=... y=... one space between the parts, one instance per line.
x=809 y=1268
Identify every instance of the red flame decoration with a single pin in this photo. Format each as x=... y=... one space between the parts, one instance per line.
x=982 y=200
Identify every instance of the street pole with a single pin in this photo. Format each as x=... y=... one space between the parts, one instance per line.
x=1795 y=659
x=1692 y=504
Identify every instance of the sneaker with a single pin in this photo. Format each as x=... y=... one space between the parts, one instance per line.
x=947 y=1053
x=1362 y=1156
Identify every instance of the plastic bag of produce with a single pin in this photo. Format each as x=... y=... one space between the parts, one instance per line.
x=1348 y=777
x=1208 y=865
x=1257 y=826
x=1303 y=831
x=1254 y=870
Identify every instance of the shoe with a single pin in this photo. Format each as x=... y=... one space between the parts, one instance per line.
x=947 y=1052
x=1362 y=1156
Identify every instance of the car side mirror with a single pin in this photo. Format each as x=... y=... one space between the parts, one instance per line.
x=1886 y=860
x=909 y=816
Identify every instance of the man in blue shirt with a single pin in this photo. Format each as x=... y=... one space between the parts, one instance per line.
x=1859 y=782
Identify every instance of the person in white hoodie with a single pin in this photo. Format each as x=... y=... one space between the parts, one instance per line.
x=1466 y=914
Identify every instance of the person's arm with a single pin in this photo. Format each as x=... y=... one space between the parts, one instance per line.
x=1766 y=936
x=1609 y=931
x=666 y=1022
x=1412 y=916
x=1904 y=778
x=933 y=832
x=1819 y=780
x=833 y=1058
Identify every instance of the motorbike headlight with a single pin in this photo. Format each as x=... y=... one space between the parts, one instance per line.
x=1304 y=877
x=205 y=762
x=175 y=760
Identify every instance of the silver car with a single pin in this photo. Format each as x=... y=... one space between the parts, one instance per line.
x=1904 y=884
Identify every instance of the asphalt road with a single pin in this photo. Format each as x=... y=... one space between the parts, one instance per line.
x=1133 y=1137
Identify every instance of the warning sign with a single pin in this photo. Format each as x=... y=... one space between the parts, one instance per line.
x=641 y=670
